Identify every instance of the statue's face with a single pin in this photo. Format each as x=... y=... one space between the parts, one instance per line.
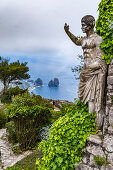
x=85 y=28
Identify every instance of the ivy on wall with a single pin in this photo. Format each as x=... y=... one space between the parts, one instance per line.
x=104 y=28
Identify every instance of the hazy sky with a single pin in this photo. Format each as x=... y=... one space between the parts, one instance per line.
x=33 y=27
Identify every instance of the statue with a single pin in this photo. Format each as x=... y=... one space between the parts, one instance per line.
x=92 y=76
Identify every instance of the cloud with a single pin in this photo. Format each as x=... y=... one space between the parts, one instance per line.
x=36 y=26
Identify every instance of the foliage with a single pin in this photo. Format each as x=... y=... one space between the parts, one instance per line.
x=26 y=99
x=14 y=168
x=101 y=160
x=12 y=71
x=7 y=97
x=16 y=150
x=3 y=118
x=104 y=27
x=67 y=139
x=11 y=130
x=78 y=68
x=29 y=113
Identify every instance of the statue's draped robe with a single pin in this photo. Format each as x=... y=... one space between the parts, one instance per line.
x=92 y=76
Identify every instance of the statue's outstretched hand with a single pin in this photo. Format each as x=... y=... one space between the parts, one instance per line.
x=66 y=27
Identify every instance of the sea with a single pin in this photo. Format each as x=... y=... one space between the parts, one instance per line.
x=47 y=68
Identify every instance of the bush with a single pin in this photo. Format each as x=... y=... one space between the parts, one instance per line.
x=11 y=129
x=67 y=139
x=29 y=117
x=3 y=118
x=7 y=97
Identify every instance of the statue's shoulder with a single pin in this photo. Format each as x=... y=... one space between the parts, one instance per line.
x=98 y=39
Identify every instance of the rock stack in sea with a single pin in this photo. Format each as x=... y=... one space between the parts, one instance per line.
x=38 y=82
x=53 y=83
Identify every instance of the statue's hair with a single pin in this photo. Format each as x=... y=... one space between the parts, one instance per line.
x=89 y=20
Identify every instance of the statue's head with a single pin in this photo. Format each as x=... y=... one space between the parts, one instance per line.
x=88 y=23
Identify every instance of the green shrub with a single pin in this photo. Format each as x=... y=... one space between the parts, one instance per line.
x=26 y=99
x=67 y=139
x=28 y=118
x=11 y=129
x=7 y=97
x=104 y=27
x=3 y=118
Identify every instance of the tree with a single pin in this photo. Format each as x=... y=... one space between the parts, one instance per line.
x=12 y=71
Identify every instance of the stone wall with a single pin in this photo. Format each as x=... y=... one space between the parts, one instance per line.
x=108 y=119
x=102 y=143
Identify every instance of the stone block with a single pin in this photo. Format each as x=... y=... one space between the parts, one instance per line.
x=110 y=158
x=110 y=80
x=108 y=143
x=111 y=116
x=95 y=150
x=110 y=130
x=91 y=161
x=110 y=87
x=95 y=139
x=85 y=167
x=110 y=70
x=107 y=110
x=106 y=167
x=84 y=160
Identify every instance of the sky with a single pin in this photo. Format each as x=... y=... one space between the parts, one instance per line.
x=35 y=27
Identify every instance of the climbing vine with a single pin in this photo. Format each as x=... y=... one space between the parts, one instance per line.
x=67 y=139
x=104 y=27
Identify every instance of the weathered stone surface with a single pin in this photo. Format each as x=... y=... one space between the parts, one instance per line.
x=84 y=160
x=108 y=143
x=95 y=150
x=110 y=80
x=85 y=167
x=111 y=116
x=110 y=87
x=110 y=70
x=110 y=130
x=110 y=158
x=107 y=110
x=95 y=139
x=107 y=167
x=91 y=161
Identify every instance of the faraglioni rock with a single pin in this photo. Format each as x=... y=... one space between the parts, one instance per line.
x=53 y=83
x=30 y=81
x=38 y=82
x=92 y=76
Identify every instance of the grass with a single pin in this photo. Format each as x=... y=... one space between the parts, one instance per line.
x=27 y=163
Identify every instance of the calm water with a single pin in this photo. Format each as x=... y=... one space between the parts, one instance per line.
x=48 y=68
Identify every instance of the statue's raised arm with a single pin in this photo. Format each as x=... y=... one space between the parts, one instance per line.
x=92 y=76
x=76 y=40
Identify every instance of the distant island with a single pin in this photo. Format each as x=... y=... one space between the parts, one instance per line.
x=53 y=83
x=38 y=82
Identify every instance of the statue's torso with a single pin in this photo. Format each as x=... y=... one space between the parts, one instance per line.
x=91 y=49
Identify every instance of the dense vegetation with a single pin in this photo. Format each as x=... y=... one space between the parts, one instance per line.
x=104 y=27
x=67 y=139
x=29 y=113
x=10 y=92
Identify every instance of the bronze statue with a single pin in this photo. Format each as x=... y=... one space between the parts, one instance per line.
x=92 y=76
